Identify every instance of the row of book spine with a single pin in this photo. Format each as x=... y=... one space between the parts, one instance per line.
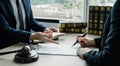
x=97 y=18
x=73 y=27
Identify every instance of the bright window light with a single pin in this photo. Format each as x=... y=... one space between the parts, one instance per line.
x=58 y=8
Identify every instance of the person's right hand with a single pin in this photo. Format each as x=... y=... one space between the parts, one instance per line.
x=85 y=42
x=44 y=37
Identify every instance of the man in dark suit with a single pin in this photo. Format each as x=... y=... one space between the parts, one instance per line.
x=11 y=31
x=109 y=43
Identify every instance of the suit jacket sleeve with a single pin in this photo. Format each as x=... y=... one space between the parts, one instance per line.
x=34 y=24
x=97 y=42
x=108 y=55
x=8 y=33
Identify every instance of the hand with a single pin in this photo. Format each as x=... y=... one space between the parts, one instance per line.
x=85 y=42
x=48 y=33
x=82 y=51
x=45 y=37
x=53 y=29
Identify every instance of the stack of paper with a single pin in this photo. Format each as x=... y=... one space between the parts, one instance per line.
x=54 y=49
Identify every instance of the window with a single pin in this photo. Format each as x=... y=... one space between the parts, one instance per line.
x=76 y=9
x=102 y=2
x=59 y=8
x=111 y=1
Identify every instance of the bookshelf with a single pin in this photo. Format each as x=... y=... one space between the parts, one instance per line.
x=97 y=17
x=73 y=27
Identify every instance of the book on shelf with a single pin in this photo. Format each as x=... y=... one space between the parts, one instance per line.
x=73 y=30
x=73 y=27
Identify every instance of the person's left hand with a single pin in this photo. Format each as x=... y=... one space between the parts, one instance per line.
x=82 y=51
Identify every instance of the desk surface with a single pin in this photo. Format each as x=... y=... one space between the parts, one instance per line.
x=47 y=60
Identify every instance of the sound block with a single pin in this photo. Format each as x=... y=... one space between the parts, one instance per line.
x=26 y=56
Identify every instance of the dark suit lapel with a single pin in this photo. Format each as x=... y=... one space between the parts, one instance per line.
x=25 y=3
x=26 y=6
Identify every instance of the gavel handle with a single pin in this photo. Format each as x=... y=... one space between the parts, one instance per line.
x=8 y=52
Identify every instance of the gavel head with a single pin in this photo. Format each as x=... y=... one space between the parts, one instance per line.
x=26 y=55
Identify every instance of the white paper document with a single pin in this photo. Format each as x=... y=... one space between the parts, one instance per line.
x=54 y=49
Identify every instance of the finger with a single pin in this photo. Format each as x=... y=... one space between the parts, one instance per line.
x=78 y=52
x=54 y=29
x=79 y=36
x=49 y=31
x=50 y=40
x=83 y=44
x=80 y=39
x=49 y=34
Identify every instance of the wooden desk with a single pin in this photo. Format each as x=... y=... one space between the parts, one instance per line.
x=46 y=60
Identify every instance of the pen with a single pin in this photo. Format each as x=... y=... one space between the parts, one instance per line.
x=77 y=40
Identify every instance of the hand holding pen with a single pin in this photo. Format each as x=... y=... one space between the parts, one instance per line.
x=81 y=36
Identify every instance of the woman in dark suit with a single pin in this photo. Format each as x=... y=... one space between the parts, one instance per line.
x=9 y=23
x=109 y=43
